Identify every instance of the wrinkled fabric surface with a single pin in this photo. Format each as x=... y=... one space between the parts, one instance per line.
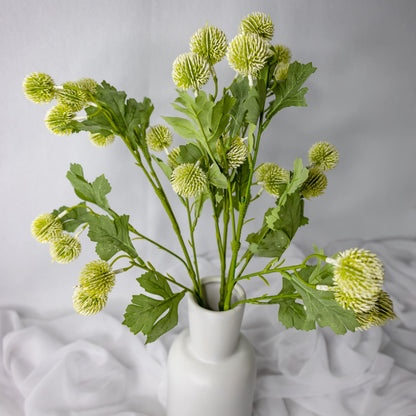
x=94 y=367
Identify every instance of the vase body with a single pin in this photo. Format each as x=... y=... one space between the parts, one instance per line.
x=211 y=365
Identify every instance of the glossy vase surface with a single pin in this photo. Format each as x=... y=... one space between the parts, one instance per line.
x=211 y=365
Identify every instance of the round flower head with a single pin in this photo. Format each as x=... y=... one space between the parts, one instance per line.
x=57 y=120
x=381 y=313
x=46 y=228
x=258 y=23
x=323 y=155
x=358 y=273
x=210 y=43
x=88 y=84
x=270 y=176
x=65 y=248
x=159 y=137
x=315 y=184
x=280 y=72
x=190 y=71
x=358 y=304
x=99 y=140
x=39 y=87
x=237 y=153
x=247 y=54
x=172 y=156
x=188 y=180
x=86 y=304
x=72 y=96
x=283 y=53
x=97 y=278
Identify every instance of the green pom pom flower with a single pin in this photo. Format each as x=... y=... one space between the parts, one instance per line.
x=283 y=54
x=46 y=228
x=315 y=184
x=72 y=96
x=188 y=180
x=247 y=54
x=258 y=23
x=323 y=155
x=237 y=153
x=39 y=87
x=358 y=273
x=270 y=176
x=172 y=156
x=190 y=71
x=159 y=137
x=210 y=43
x=57 y=120
x=280 y=72
x=97 y=278
x=358 y=304
x=381 y=312
x=86 y=304
x=65 y=248
x=99 y=140
x=88 y=84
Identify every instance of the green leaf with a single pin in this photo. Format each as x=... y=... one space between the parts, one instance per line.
x=74 y=218
x=153 y=317
x=111 y=236
x=189 y=153
x=216 y=177
x=255 y=102
x=322 y=307
x=97 y=122
x=279 y=227
x=268 y=243
x=166 y=169
x=300 y=174
x=292 y=314
x=183 y=127
x=94 y=192
x=240 y=89
x=288 y=92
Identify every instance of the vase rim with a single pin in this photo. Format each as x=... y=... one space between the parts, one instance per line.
x=238 y=290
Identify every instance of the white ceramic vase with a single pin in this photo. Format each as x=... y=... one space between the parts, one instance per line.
x=211 y=365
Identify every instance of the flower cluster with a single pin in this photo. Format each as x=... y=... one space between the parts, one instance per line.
x=358 y=277
x=71 y=97
x=96 y=281
x=64 y=247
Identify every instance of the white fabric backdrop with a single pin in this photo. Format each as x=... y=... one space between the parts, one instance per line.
x=362 y=98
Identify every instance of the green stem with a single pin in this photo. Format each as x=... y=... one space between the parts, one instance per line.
x=258 y=300
x=191 y=230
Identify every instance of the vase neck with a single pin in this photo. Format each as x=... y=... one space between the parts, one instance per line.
x=214 y=335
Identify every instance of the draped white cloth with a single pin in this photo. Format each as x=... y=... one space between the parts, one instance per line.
x=72 y=366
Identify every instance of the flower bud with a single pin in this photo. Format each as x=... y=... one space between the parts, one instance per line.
x=97 y=278
x=172 y=156
x=57 y=120
x=72 y=96
x=358 y=273
x=283 y=54
x=237 y=153
x=270 y=176
x=190 y=71
x=39 y=88
x=315 y=184
x=97 y=139
x=65 y=248
x=281 y=70
x=381 y=313
x=159 y=137
x=88 y=84
x=46 y=228
x=210 y=43
x=188 y=180
x=259 y=24
x=247 y=54
x=323 y=155
x=86 y=304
